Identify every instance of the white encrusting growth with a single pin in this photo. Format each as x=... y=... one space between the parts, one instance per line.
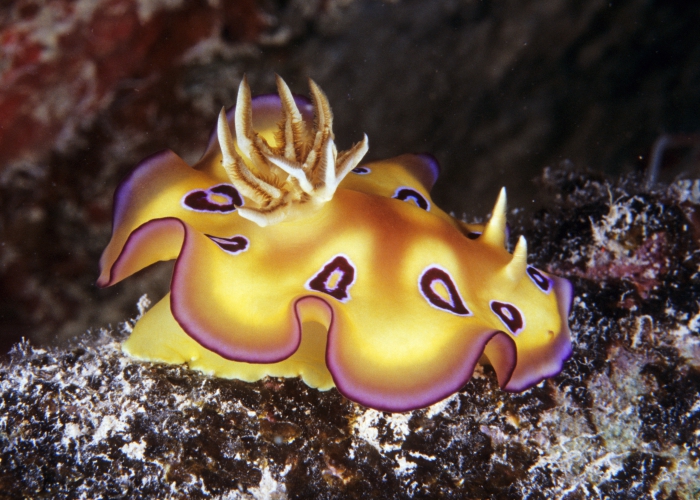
x=293 y=177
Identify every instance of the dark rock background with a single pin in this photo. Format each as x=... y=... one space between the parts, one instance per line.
x=496 y=90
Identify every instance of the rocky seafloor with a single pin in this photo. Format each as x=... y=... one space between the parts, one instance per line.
x=621 y=421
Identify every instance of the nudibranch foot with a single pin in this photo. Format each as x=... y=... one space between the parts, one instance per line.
x=157 y=337
x=294 y=260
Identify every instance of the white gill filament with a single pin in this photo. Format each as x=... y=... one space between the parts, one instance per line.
x=293 y=122
x=240 y=175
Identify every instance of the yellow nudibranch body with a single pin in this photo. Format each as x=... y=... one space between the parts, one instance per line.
x=293 y=259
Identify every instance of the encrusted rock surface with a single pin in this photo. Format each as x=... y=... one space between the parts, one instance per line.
x=621 y=421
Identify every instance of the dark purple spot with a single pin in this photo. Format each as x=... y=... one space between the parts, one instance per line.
x=472 y=235
x=340 y=268
x=539 y=279
x=434 y=275
x=509 y=315
x=205 y=200
x=405 y=194
x=232 y=245
x=361 y=170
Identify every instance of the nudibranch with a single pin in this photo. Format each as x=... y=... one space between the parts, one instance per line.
x=293 y=259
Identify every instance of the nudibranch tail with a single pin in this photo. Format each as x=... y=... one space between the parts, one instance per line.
x=297 y=175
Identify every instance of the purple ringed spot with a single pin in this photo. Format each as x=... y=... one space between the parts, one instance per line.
x=509 y=316
x=407 y=193
x=233 y=245
x=539 y=279
x=222 y=198
x=335 y=278
x=430 y=277
x=361 y=170
x=473 y=235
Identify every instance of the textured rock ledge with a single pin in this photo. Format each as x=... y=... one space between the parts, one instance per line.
x=621 y=421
